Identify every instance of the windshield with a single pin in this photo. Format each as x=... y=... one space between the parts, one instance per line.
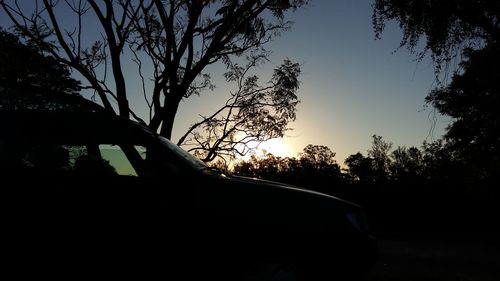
x=190 y=159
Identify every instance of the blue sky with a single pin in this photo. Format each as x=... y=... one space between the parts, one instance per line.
x=352 y=86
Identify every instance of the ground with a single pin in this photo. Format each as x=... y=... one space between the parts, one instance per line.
x=437 y=257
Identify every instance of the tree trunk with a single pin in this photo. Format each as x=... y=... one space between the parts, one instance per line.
x=168 y=116
x=121 y=89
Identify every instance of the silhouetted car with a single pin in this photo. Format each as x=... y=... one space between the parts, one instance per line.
x=85 y=194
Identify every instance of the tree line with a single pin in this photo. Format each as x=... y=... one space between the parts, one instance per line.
x=427 y=188
x=433 y=163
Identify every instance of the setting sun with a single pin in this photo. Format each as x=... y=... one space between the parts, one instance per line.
x=277 y=147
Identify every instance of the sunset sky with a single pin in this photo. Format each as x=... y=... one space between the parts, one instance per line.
x=352 y=86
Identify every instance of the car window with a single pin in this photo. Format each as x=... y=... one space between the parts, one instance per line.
x=47 y=142
x=141 y=150
x=80 y=159
x=129 y=158
x=116 y=158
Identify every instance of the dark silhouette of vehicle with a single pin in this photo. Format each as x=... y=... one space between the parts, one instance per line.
x=86 y=194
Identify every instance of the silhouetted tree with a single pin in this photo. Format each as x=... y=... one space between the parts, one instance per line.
x=293 y=172
x=407 y=164
x=472 y=99
x=221 y=165
x=379 y=152
x=448 y=26
x=441 y=164
x=246 y=168
x=360 y=168
x=252 y=115
x=25 y=67
x=177 y=39
x=268 y=167
x=318 y=155
x=315 y=169
x=453 y=27
x=319 y=167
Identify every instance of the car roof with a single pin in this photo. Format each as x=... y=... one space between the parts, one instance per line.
x=70 y=127
x=42 y=116
x=37 y=99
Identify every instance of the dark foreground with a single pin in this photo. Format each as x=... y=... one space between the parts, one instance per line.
x=438 y=257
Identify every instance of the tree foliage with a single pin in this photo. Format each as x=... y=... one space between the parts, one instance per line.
x=253 y=113
x=470 y=28
x=24 y=66
x=315 y=168
x=472 y=99
x=318 y=155
x=448 y=26
x=433 y=165
x=319 y=166
x=440 y=163
x=407 y=164
x=360 y=168
x=379 y=152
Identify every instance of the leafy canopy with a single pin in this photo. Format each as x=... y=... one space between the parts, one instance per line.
x=448 y=26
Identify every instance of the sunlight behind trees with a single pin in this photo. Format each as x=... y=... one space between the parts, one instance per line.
x=278 y=147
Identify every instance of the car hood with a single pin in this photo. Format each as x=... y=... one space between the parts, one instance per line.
x=236 y=192
x=288 y=188
x=274 y=204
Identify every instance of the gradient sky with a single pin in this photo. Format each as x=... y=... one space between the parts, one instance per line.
x=352 y=86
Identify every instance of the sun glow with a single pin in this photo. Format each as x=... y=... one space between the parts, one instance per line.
x=278 y=147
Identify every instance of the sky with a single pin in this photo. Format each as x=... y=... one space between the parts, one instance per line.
x=352 y=86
